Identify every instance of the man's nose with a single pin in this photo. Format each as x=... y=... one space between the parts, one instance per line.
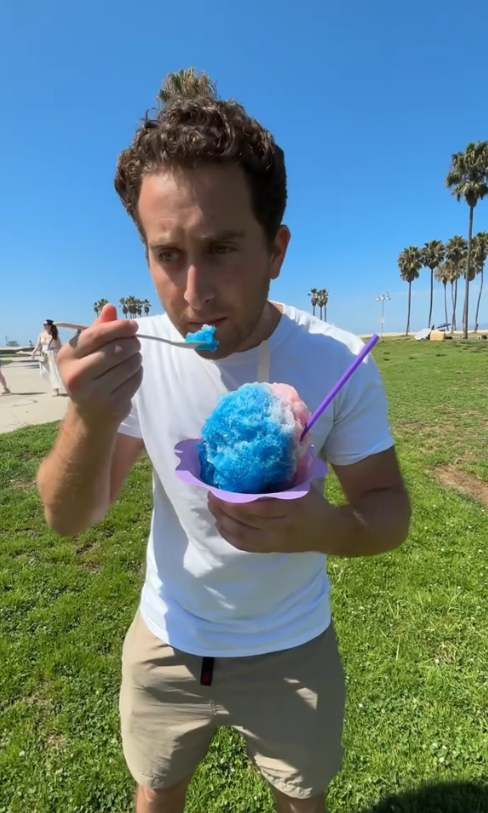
x=199 y=288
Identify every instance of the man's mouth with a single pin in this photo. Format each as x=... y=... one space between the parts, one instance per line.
x=212 y=322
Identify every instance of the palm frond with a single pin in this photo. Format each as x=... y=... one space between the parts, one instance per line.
x=410 y=262
x=186 y=84
x=467 y=178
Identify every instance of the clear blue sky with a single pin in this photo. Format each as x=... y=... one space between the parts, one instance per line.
x=368 y=99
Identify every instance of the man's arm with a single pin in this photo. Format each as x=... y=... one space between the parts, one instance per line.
x=376 y=518
x=84 y=473
x=360 y=449
x=102 y=371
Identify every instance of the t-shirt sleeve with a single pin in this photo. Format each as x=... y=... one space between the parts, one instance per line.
x=131 y=426
x=361 y=426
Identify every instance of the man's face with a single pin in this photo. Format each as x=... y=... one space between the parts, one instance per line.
x=208 y=255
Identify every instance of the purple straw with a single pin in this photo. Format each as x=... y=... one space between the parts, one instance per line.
x=345 y=378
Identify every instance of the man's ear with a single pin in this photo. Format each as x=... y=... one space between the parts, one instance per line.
x=280 y=247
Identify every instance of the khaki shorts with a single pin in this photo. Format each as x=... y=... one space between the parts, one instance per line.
x=288 y=706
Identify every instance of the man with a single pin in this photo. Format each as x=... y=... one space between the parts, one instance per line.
x=234 y=612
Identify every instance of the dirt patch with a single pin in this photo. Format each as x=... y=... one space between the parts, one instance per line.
x=39 y=701
x=86 y=546
x=23 y=485
x=462 y=481
x=89 y=566
x=56 y=740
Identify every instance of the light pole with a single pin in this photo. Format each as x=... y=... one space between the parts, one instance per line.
x=383 y=298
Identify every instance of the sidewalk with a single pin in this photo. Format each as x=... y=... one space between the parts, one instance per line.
x=30 y=402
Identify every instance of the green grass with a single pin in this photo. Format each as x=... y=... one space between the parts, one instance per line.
x=412 y=625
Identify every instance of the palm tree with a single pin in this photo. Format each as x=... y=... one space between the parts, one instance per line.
x=453 y=275
x=456 y=251
x=314 y=294
x=410 y=262
x=132 y=306
x=123 y=305
x=443 y=274
x=480 y=255
x=467 y=180
x=186 y=84
x=129 y=304
x=432 y=256
x=99 y=306
x=323 y=302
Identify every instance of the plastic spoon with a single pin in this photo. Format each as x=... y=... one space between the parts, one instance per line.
x=187 y=345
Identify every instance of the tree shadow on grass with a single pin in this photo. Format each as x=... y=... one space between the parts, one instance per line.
x=449 y=797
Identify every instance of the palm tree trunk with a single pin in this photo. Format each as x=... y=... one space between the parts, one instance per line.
x=445 y=302
x=407 y=331
x=313 y=310
x=320 y=311
x=431 y=295
x=325 y=313
x=476 y=321
x=468 y=270
x=454 y=306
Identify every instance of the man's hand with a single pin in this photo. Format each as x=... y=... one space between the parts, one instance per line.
x=102 y=369
x=375 y=520
x=274 y=526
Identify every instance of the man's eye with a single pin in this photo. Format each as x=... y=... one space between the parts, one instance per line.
x=167 y=256
x=221 y=249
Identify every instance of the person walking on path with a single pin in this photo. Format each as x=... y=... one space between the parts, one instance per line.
x=3 y=382
x=234 y=625
x=47 y=347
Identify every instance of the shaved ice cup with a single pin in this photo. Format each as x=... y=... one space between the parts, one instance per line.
x=188 y=471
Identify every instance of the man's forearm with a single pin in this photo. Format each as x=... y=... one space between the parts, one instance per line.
x=377 y=524
x=74 y=480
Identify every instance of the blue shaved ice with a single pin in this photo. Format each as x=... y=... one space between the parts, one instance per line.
x=204 y=337
x=251 y=442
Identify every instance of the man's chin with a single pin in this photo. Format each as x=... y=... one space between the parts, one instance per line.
x=228 y=344
x=217 y=355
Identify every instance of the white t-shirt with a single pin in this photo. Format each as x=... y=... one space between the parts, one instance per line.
x=201 y=595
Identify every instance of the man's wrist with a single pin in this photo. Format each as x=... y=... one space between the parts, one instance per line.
x=378 y=524
x=340 y=526
x=91 y=424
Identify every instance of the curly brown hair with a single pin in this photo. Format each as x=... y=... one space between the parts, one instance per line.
x=189 y=133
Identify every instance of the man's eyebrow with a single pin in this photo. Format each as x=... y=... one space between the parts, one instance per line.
x=211 y=237
x=227 y=234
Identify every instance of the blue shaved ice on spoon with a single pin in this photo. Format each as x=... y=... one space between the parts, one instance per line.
x=204 y=338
